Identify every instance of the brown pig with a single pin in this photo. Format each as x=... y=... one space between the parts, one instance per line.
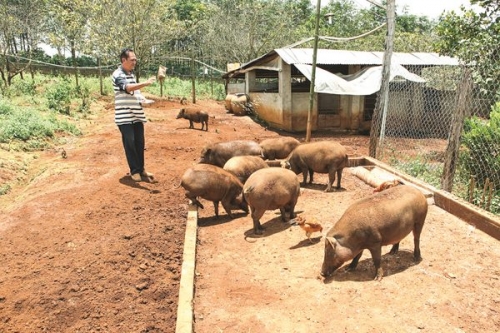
x=194 y=115
x=278 y=148
x=269 y=189
x=243 y=166
x=322 y=157
x=384 y=218
x=219 y=153
x=215 y=184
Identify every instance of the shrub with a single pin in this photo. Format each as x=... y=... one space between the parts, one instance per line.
x=82 y=92
x=481 y=158
x=59 y=97
x=24 y=125
x=24 y=87
x=5 y=108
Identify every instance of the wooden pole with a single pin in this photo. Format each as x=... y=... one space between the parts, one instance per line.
x=452 y=150
x=100 y=76
x=313 y=73
x=193 y=80
x=380 y=112
x=472 y=187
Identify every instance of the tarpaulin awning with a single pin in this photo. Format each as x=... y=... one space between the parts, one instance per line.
x=365 y=82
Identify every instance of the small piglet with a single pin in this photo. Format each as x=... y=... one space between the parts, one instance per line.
x=194 y=115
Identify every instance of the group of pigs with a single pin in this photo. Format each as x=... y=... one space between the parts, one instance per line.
x=236 y=174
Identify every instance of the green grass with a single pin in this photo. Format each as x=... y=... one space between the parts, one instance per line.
x=205 y=88
x=420 y=168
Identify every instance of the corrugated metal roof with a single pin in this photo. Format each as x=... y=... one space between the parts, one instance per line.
x=344 y=57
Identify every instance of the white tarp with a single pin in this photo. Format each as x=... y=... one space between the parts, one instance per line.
x=365 y=82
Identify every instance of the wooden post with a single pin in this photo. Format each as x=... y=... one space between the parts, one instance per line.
x=162 y=72
x=193 y=80
x=100 y=76
x=457 y=123
x=380 y=112
x=472 y=187
x=313 y=74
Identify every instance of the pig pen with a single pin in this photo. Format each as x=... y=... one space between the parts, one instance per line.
x=271 y=283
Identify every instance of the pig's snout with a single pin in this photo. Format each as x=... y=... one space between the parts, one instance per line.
x=326 y=273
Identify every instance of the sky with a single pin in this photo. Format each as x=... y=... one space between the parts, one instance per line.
x=430 y=8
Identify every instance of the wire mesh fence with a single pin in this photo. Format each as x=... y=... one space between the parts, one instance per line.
x=445 y=132
x=206 y=81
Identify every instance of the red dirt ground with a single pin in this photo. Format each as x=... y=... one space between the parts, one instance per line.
x=84 y=249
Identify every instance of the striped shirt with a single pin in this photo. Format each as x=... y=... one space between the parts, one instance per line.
x=128 y=108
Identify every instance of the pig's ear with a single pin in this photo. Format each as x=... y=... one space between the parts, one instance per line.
x=332 y=241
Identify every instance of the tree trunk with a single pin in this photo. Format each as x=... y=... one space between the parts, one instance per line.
x=73 y=57
x=457 y=123
x=100 y=76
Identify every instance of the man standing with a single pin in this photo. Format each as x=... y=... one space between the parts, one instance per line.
x=129 y=115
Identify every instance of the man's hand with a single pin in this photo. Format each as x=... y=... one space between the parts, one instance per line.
x=151 y=80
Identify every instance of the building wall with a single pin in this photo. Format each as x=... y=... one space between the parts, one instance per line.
x=268 y=107
x=355 y=113
x=300 y=109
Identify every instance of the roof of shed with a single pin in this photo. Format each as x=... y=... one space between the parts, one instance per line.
x=344 y=57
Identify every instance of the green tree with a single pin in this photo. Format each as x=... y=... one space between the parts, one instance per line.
x=144 y=25
x=343 y=19
x=474 y=39
x=240 y=30
x=22 y=27
x=69 y=25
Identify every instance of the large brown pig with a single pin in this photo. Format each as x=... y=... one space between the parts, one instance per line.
x=243 y=166
x=322 y=157
x=268 y=189
x=278 y=148
x=383 y=218
x=194 y=115
x=219 y=153
x=214 y=184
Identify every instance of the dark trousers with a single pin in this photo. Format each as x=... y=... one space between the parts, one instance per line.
x=134 y=143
